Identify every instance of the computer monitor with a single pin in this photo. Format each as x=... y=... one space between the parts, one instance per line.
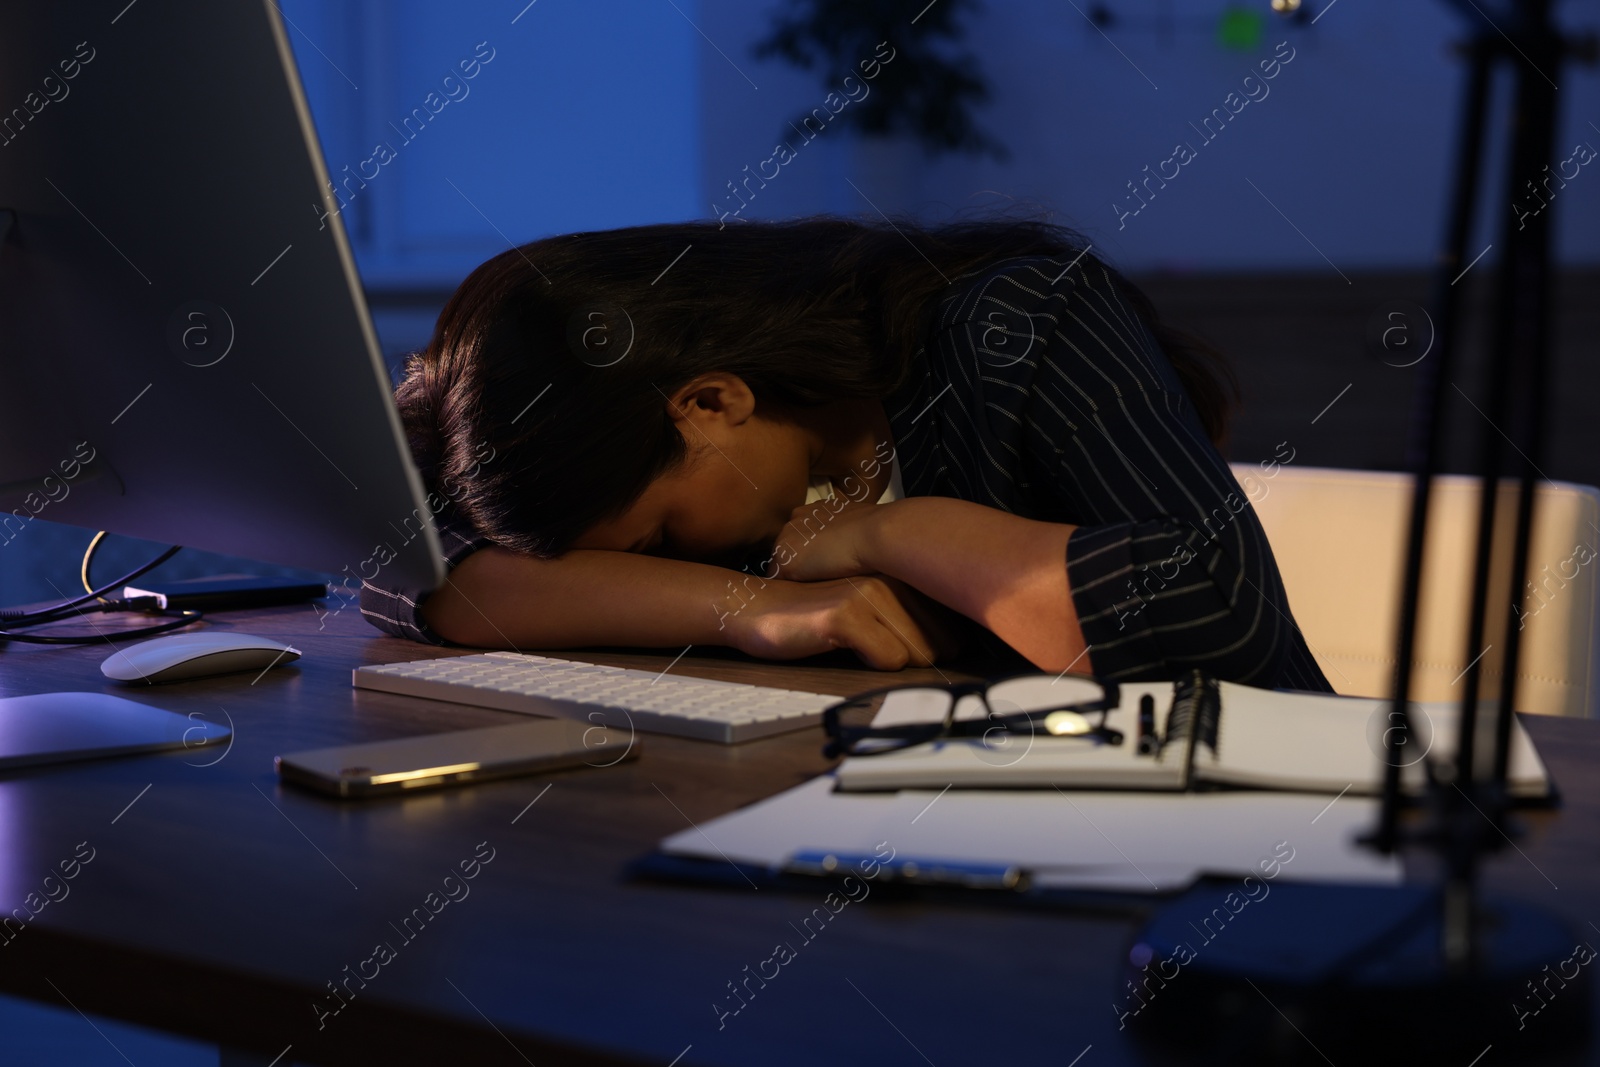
x=185 y=352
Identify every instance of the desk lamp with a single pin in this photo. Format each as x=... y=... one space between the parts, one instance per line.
x=1435 y=967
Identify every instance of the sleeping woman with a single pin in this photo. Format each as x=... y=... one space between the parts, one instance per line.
x=790 y=437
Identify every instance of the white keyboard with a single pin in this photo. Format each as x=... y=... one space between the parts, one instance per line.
x=611 y=696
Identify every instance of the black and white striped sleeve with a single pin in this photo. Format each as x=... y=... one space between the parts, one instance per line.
x=1168 y=567
x=393 y=609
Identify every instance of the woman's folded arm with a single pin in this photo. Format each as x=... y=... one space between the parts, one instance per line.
x=1142 y=598
x=1157 y=595
x=496 y=598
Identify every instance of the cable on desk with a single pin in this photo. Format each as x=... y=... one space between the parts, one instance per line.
x=88 y=561
x=80 y=606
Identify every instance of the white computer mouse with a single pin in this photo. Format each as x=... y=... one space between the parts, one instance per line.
x=198 y=655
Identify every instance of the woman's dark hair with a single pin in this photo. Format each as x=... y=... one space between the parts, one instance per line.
x=540 y=405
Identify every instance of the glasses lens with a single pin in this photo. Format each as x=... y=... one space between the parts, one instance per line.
x=887 y=721
x=902 y=707
x=1044 y=692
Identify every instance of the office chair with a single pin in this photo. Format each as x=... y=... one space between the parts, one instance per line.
x=1339 y=540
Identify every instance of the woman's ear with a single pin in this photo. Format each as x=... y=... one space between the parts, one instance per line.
x=721 y=397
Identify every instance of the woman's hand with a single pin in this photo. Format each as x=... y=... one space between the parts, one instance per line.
x=1004 y=572
x=819 y=543
x=884 y=621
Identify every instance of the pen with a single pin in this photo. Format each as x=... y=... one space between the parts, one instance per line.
x=1149 y=743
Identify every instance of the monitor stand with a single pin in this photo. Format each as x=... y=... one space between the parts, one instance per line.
x=47 y=728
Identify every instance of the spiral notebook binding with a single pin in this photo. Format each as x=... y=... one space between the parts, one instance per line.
x=1196 y=714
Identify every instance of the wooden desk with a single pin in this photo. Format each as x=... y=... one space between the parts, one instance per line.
x=220 y=905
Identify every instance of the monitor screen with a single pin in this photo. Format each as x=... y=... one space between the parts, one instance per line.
x=185 y=352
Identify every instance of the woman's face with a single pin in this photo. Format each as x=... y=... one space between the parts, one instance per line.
x=743 y=477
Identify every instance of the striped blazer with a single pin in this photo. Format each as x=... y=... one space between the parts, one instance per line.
x=1038 y=391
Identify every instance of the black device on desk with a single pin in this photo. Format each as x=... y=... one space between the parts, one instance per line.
x=229 y=591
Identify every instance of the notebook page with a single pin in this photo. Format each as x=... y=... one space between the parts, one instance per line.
x=1326 y=743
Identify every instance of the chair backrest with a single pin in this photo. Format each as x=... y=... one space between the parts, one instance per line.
x=1339 y=539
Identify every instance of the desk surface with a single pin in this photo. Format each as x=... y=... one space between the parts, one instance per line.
x=220 y=905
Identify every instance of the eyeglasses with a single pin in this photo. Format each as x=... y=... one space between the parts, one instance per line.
x=999 y=711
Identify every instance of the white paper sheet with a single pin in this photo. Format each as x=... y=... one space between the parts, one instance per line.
x=1141 y=842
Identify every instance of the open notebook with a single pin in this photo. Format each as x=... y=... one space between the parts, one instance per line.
x=1257 y=738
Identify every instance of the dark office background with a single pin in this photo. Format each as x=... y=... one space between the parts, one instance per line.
x=1283 y=241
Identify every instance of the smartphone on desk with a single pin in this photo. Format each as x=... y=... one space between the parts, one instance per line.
x=407 y=764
